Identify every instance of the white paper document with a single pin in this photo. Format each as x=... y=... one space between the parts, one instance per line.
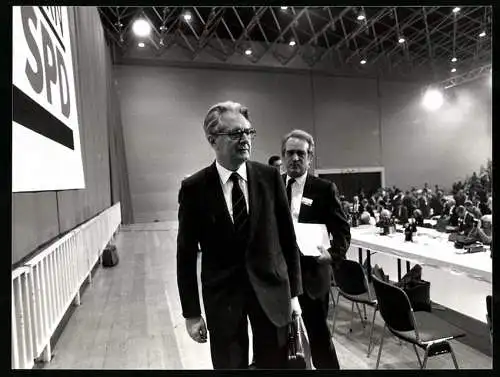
x=310 y=236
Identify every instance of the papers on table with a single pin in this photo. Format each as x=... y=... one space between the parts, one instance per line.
x=310 y=236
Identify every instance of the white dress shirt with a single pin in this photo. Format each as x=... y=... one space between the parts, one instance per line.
x=227 y=184
x=297 y=192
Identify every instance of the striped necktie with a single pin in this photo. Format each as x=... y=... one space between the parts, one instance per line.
x=240 y=214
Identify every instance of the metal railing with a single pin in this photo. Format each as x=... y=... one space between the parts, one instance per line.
x=46 y=285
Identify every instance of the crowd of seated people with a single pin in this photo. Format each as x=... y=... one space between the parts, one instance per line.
x=466 y=208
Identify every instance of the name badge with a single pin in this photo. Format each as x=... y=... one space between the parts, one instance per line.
x=307 y=201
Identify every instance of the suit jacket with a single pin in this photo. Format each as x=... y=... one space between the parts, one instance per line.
x=269 y=261
x=325 y=209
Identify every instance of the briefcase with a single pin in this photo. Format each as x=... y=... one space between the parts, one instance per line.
x=110 y=256
x=299 y=355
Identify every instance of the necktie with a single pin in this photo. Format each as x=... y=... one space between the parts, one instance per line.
x=240 y=215
x=289 y=191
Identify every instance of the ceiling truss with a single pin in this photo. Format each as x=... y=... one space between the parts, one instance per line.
x=319 y=36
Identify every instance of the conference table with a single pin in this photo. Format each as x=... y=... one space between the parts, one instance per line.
x=459 y=280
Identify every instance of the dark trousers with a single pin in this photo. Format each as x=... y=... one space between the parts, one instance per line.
x=314 y=314
x=229 y=348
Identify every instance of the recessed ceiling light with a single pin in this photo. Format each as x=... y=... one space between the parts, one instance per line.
x=292 y=43
x=187 y=16
x=483 y=34
x=453 y=59
x=401 y=40
x=361 y=17
x=456 y=10
x=453 y=70
x=363 y=61
x=284 y=8
x=141 y=28
x=141 y=44
x=248 y=51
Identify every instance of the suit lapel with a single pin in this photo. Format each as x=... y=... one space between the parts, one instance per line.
x=254 y=197
x=307 y=193
x=215 y=198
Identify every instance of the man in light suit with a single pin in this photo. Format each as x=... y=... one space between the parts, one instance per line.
x=315 y=200
x=236 y=211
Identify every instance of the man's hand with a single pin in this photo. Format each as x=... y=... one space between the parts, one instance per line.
x=296 y=309
x=325 y=257
x=197 y=329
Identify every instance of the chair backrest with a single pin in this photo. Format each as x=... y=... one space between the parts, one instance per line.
x=394 y=305
x=350 y=277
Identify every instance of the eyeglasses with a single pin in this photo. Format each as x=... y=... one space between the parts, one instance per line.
x=238 y=134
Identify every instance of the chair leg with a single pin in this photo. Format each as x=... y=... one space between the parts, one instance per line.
x=380 y=348
x=364 y=309
x=352 y=316
x=335 y=313
x=453 y=356
x=418 y=356
x=371 y=332
x=360 y=316
x=426 y=356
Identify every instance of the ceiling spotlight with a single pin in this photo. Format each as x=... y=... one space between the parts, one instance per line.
x=453 y=70
x=433 y=99
x=363 y=61
x=292 y=43
x=456 y=10
x=141 y=27
x=361 y=17
x=187 y=16
x=284 y=8
x=401 y=40
x=248 y=51
x=453 y=59
x=483 y=34
x=141 y=44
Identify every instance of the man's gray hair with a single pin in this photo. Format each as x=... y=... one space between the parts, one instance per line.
x=214 y=114
x=298 y=134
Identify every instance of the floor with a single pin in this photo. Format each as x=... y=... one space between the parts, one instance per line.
x=130 y=318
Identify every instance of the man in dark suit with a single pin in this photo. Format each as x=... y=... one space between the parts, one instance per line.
x=237 y=212
x=315 y=200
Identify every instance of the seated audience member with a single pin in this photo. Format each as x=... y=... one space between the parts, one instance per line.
x=366 y=219
x=466 y=220
x=423 y=205
x=366 y=207
x=356 y=205
x=409 y=202
x=436 y=204
x=417 y=216
x=476 y=212
x=275 y=161
x=483 y=231
x=451 y=209
x=401 y=213
x=460 y=197
x=385 y=218
x=483 y=207
x=442 y=223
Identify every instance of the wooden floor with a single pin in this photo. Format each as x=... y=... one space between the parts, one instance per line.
x=130 y=318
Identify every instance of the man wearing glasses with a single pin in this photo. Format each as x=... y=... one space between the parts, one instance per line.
x=236 y=212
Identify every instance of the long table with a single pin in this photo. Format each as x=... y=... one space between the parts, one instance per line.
x=459 y=280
